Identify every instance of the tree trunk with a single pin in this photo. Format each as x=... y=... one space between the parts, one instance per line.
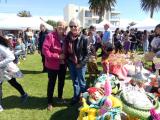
x=152 y=11
x=100 y=18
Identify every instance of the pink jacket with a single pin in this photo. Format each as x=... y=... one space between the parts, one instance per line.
x=51 y=50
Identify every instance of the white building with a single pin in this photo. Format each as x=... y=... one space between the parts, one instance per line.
x=113 y=17
x=87 y=17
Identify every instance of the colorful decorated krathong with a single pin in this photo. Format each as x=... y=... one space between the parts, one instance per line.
x=124 y=87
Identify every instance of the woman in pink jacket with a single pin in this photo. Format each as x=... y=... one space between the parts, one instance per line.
x=53 y=50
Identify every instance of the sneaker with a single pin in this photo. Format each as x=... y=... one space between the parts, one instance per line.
x=1 y=108
x=24 y=98
x=50 y=107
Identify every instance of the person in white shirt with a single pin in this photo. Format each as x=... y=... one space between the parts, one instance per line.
x=8 y=70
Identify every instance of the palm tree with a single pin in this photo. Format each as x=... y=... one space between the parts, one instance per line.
x=132 y=24
x=100 y=6
x=150 y=6
x=52 y=23
x=24 y=13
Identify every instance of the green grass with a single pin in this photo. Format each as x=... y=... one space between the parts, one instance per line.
x=35 y=84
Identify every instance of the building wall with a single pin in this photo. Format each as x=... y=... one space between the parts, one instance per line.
x=71 y=11
x=86 y=18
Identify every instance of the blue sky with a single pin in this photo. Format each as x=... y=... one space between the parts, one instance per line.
x=130 y=9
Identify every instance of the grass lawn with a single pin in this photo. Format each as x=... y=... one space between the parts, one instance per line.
x=35 y=84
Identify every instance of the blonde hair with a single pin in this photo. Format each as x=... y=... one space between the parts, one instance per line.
x=75 y=21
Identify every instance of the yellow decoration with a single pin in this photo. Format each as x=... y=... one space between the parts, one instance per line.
x=87 y=113
x=115 y=102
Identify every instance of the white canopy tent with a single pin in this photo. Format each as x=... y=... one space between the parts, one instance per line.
x=21 y=23
x=100 y=26
x=124 y=23
x=147 y=24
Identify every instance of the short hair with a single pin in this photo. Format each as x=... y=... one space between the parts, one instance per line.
x=107 y=25
x=42 y=25
x=158 y=26
x=84 y=31
x=75 y=21
x=92 y=27
x=4 y=42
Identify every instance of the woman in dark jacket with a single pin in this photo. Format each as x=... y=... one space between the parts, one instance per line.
x=42 y=35
x=77 y=57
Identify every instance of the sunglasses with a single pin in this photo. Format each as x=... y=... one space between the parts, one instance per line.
x=74 y=26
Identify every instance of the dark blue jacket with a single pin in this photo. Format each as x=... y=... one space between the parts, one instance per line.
x=41 y=39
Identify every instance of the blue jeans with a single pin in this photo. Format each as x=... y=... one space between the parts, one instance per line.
x=133 y=46
x=78 y=78
x=145 y=46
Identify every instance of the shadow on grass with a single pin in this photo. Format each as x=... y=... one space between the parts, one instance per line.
x=70 y=113
x=32 y=102
x=31 y=72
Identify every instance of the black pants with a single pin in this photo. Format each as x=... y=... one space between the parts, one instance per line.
x=15 y=84
x=43 y=62
x=133 y=47
x=118 y=47
x=52 y=76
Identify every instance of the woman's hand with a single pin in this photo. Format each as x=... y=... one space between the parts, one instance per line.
x=78 y=66
x=62 y=56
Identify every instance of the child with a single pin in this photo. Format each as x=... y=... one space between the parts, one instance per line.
x=92 y=63
x=106 y=50
x=19 y=50
x=126 y=43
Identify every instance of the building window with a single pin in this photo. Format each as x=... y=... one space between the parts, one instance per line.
x=115 y=17
x=88 y=14
x=88 y=22
x=97 y=21
x=112 y=9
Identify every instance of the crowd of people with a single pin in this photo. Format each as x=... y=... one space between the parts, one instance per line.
x=75 y=49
